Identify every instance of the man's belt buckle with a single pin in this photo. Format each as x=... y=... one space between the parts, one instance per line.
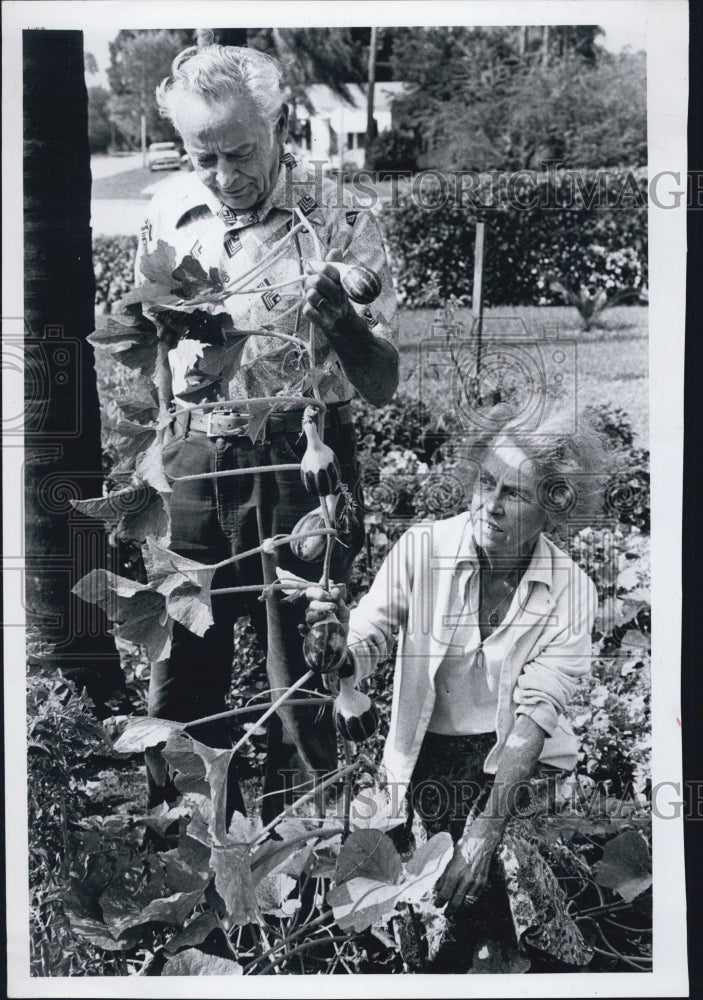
x=237 y=428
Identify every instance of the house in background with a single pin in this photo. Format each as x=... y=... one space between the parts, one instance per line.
x=336 y=129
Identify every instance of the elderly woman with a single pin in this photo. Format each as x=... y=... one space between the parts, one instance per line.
x=494 y=628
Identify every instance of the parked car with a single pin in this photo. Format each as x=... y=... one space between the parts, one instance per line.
x=163 y=156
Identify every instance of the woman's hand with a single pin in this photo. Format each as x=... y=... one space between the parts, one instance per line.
x=323 y=602
x=326 y=302
x=466 y=875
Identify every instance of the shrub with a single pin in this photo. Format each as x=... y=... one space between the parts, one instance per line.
x=583 y=229
x=393 y=149
x=113 y=266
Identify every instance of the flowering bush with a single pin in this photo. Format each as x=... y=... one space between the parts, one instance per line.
x=586 y=227
x=113 y=266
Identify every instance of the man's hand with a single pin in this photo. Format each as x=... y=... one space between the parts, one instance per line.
x=326 y=302
x=466 y=875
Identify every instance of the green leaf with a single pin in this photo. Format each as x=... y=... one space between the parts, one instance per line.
x=149 y=466
x=368 y=854
x=626 y=866
x=498 y=957
x=360 y=902
x=258 y=417
x=129 y=439
x=140 y=612
x=184 y=583
x=131 y=343
x=141 y=405
x=158 y=264
x=131 y=513
x=99 y=933
x=146 y=732
x=234 y=881
x=195 y=761
x=192 y=962
x=165 y=892
x=272 y=894
x=193 y=933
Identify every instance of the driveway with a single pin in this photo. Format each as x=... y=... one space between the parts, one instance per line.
x=121 y=190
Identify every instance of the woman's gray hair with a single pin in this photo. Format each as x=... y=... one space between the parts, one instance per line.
x=219 y=72
x=568 y=453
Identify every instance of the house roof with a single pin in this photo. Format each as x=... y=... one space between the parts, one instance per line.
x=325 y=101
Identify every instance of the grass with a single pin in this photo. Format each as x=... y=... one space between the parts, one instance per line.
x=606 y=365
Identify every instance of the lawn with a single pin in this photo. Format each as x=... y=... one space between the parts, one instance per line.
x=607 y=365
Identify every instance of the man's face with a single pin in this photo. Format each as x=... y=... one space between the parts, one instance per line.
x=234 y=152
x=505 y=509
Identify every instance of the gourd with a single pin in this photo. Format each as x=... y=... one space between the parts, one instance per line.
x=361 y=284
x=319 y=467
x=309 y=549
x=325 y=645
x=355 y=715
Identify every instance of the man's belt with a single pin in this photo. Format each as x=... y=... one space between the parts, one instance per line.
x=228 y=422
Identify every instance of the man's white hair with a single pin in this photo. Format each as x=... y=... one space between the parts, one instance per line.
x=219 y=72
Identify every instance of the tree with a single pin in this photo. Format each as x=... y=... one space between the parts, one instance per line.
x=99 y=125
x=62 y=423
x=139 y=61
x=508 y=99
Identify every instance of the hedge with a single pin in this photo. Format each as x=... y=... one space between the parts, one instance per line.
x=586 y=228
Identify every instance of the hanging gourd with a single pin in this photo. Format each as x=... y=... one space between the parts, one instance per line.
x=319 y=467
x=355 y=715
x=325 y=645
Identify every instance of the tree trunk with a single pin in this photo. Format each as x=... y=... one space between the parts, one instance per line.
x=371 y=129
x=63 y=458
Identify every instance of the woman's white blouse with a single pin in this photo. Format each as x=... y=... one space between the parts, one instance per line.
x=535 y=659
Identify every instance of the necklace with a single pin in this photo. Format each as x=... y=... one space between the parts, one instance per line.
x=493 y=618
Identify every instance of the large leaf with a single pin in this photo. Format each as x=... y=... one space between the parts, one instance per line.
x=234 y=881
x=167 y=895
x=146 y=732
x=99 y=934
x=184 y=583
x=626 y=866
x=358 y=903
x=139 y=611
x=141 y=405
x=179 y=752
x=131 y=343
x=131 y=513
x=193 y=933
x=193 y=962
x=368 y=854
x=129 y=438
x=149 y=466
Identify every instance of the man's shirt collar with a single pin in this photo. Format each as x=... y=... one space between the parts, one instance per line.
x=199 y=199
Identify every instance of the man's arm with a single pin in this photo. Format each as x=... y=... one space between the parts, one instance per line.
x=370 y=363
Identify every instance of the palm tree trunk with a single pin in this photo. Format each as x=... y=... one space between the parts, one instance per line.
x=62 y=422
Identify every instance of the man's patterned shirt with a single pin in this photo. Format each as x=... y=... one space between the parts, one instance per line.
x=186 y=215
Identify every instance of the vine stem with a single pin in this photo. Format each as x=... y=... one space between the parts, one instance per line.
x=250 y=709
x=301 y=401
x=348 y=753
x=282 y=467
x=272 y=708
x=269 y=543
x=306 y=946
x=292 y=937
x=341 y=772
x=269 y=257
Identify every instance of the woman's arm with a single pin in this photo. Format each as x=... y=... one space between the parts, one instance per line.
x=467 y=872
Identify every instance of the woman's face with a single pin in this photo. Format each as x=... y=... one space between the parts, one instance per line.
x=505 y=509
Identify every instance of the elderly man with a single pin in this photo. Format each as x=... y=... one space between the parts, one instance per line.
x=246 y=192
